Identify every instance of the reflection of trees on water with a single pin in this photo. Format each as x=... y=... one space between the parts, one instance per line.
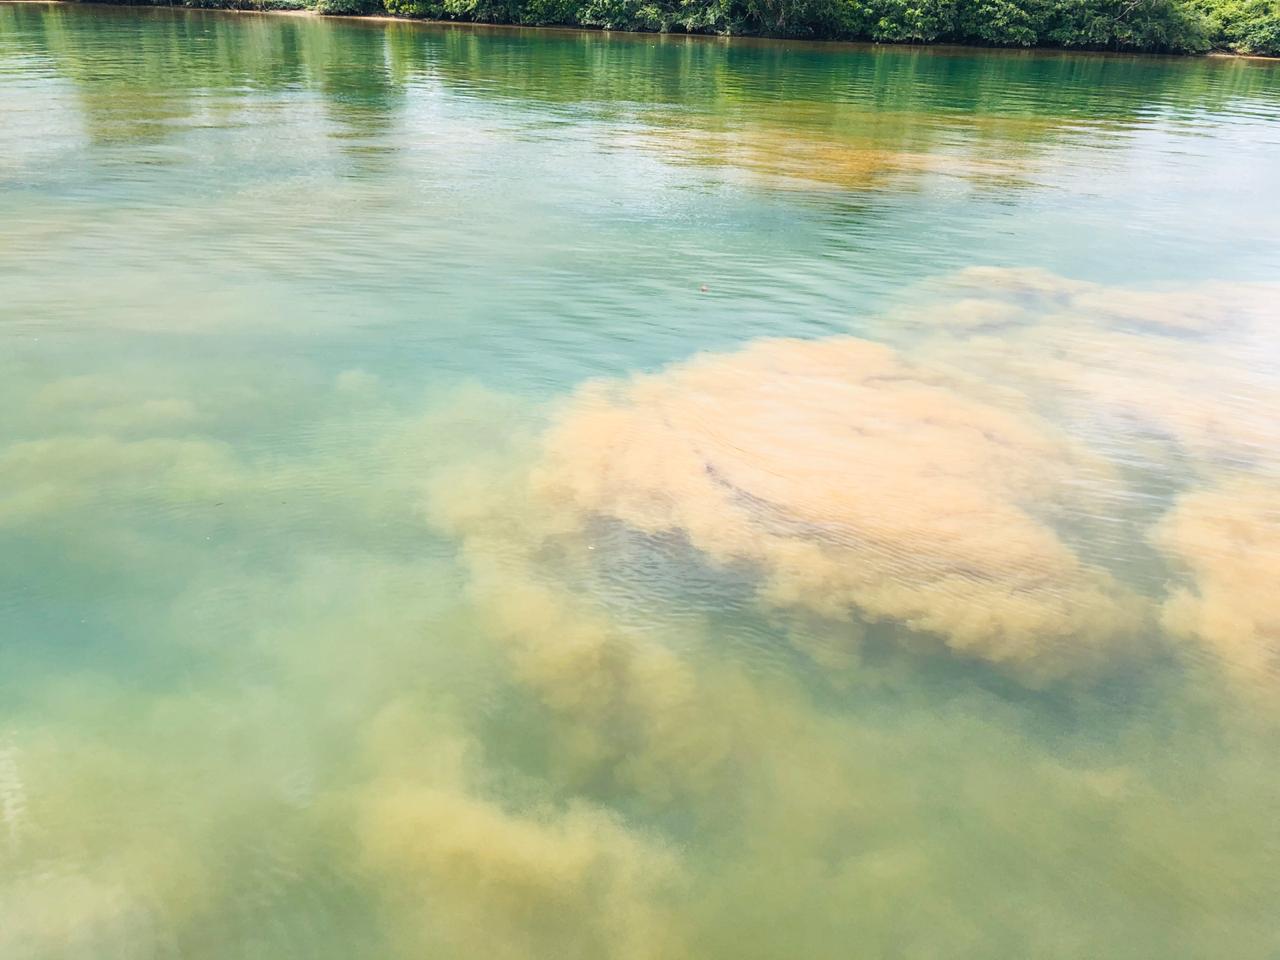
x=568 y=66
x=774 y=108
x=174 y=60
x=744 y=103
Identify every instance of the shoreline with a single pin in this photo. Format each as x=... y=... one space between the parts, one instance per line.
x=650 y=35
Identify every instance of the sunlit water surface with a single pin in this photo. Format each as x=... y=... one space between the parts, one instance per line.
x=492 y=494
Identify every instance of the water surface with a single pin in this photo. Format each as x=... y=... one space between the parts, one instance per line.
x=531 y=494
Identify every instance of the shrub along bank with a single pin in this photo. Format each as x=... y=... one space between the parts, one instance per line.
x=1172 y=26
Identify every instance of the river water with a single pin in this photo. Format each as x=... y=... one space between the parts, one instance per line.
x=506 y=494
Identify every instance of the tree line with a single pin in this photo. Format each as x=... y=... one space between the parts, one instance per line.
x=1160 y=26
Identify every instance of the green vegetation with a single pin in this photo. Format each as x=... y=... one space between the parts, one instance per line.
x=1246 y=26
x=1174 y=26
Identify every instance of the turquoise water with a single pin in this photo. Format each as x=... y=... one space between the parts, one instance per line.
x=521 y=494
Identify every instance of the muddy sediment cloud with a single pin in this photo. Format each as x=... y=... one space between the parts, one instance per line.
x=1177 y=386
x=478 y=864
x=1227 y=539
x=493 y=882
x=933 y=497
x=1115 y=365
x=858 y=486
x=575 y=766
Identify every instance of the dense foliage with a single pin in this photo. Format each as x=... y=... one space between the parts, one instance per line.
x=1177 y=26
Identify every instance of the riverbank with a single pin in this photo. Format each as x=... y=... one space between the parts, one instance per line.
x=1218 y=27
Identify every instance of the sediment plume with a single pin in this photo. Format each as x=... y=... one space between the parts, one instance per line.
x=525 y=877
x=1115 y=366
x=858 y=486
x=1227 y=540
x=577 y=763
